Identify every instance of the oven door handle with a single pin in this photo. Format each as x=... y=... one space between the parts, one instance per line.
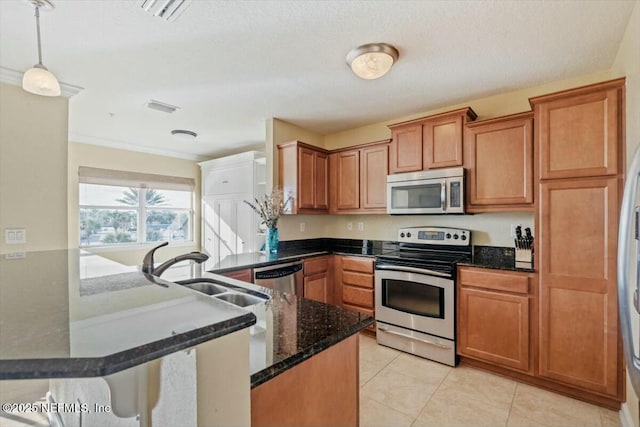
x=422 y=340
x=413 y=270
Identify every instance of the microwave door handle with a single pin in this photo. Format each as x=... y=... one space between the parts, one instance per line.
x=443 y=196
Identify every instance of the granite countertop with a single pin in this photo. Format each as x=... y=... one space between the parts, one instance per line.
x=297 y=249
x=74 y=314
x=289 y=328
x=496 y=257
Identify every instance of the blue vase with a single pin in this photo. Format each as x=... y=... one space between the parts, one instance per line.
x=272 y=241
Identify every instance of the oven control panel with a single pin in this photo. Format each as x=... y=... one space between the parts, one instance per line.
x=435 y=236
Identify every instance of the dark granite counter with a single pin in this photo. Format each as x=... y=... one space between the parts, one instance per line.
x=495 y=257
x=74 y=314
x=297 y=249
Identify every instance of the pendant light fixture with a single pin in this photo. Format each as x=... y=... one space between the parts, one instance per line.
x=372 y=61
x=38 y=79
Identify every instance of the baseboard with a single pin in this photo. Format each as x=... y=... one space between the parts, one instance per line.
x=625 y=416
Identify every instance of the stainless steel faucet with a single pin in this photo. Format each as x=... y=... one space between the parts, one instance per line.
x=148 y=267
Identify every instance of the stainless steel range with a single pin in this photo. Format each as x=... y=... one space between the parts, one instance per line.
x=415 y=291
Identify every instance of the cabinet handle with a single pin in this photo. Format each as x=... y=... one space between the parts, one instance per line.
x=422 y=340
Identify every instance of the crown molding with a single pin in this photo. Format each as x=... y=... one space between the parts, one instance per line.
x=13 y=77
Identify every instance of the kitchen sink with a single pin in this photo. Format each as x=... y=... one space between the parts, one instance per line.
x=207 y=288
x=232 y=294
x=241 y=300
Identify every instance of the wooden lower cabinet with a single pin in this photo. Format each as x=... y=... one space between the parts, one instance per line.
x=321 y=391
x=494 y=321
x=246 y=274
x=318 y=279
x=354 y=279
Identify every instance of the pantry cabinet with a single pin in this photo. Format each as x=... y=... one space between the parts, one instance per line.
x=494 y=317
x=304 y=174
x=499 y=164
x=358 y=179
x=429 y=142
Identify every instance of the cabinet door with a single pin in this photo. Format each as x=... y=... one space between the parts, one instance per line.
x=589 y=122
x=321 y=181
x=306 y=178
x=578 y=305
x=443 y=142
x=225 y=227
x=316 y=287
x=500 y=163
x=494 y=327
x=245 y=274
x=373 y=177
x=228 y=180
x=347 y=185
x=406 y=149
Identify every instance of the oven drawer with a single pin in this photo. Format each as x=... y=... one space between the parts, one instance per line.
x=361 y=264
x=497 y=280
x=357 y=296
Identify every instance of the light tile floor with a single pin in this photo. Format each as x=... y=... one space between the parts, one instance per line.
x=401 y=390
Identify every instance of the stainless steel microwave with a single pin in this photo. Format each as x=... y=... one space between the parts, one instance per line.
x=438 y=191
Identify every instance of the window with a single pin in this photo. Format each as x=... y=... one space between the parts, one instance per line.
x=124 y=208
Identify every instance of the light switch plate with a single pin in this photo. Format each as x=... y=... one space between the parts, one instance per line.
x=361 y=226
x=15 y=236
x=350 y=226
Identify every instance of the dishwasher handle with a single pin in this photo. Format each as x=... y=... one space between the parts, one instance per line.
x=277 y=272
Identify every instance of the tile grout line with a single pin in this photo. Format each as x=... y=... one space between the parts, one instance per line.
x=513 y=398
x=432 y=394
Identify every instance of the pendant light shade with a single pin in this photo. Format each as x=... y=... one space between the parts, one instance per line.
x=38 y=79
x=372 y=61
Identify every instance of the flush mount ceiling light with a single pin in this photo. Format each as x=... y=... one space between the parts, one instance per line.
x=184 y=135
x=38 y=79
x=372 y=61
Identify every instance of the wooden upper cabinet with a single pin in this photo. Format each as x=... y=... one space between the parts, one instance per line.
x=429 y=142
x=578 y=306
x=358 y=179
x=346 y=167
x=373 y=176
x=499 y=163
x=405 y=154
x=303 y=172
x=578 y=130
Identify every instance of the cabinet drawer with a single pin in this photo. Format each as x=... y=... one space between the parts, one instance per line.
x=246 y=275
x=316 y=265
x=357 y=279
x=361 y=264
x=357 y=296
x=494 y=279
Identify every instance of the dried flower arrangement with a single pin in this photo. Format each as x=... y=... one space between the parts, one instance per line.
x=270 y=207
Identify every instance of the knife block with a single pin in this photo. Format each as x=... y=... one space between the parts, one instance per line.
x=524 y=258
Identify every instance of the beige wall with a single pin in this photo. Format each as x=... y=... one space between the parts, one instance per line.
x=488 y=229
x=33 y=158
x=110 y=158
x=627 y=64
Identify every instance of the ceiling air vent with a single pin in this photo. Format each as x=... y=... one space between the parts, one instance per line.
x=161 y=106
x=169 y=10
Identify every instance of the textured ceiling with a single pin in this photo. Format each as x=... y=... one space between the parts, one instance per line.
x=231 y=65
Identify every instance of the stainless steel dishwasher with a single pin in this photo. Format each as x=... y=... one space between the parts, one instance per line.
x=285 y=277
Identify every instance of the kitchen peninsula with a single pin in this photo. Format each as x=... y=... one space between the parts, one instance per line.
x=85 y=323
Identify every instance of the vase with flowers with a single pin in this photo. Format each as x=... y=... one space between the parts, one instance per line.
x=270 y=208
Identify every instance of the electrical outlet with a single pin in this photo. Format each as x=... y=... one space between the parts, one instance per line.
x=302 y=227
x=15 y=235
x=350 y=226
x=513 y=229
x=361 y=226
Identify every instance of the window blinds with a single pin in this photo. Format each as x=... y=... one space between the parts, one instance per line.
x=88 y=175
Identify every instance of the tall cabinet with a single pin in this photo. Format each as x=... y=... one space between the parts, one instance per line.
x=579 y=153
x=229 y=226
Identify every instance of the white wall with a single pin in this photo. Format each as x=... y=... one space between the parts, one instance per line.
x=627 y=63
x=33 y=164
x=111 y=158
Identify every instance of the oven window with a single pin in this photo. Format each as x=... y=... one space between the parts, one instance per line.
x=414 y=298
x=416 y=196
